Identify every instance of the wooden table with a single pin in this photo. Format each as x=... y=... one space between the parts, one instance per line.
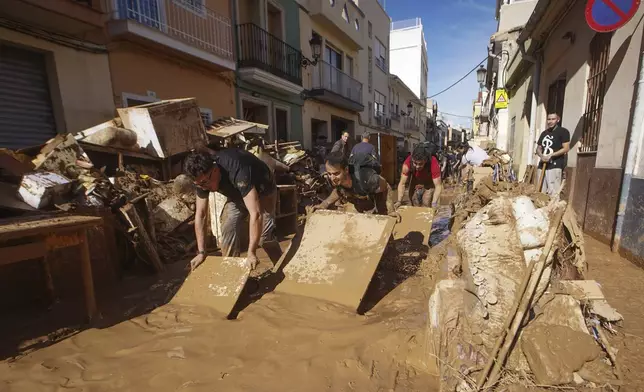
x=40 y=235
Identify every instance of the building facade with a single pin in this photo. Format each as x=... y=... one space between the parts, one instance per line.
x=408 y=115
x=409 y=55
x=269 y=75
x=54 y=70
x=167 y=49
x=591 y=80
x=511 y=16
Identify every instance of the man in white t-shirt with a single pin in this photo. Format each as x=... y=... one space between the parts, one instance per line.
x=473 y=156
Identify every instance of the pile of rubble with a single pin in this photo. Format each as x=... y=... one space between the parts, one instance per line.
x=513 y=306
x=130 y=167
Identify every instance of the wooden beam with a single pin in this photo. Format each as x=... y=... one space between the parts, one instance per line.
x=16 y=253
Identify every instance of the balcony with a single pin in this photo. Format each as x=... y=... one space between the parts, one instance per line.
x=382 y=120
x=409 y=124
x=343 y=18
x=75 y=18
x=333 y=86
x=267 y=60
x=184 y=26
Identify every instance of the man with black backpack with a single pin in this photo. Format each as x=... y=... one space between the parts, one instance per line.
x=357 y=181
x=425 y=172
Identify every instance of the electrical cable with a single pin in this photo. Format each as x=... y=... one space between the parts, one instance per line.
x=454 y=115
x=461 y=79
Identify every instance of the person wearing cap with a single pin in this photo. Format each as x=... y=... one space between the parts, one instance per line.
x=249 y=185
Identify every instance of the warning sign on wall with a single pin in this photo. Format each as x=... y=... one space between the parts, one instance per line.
x=501 y=99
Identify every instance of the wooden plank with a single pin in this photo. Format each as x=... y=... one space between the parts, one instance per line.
x=116 y=151
x=38 y=225
x=146 y=242
x=216 y=283
x=17 y=253
x=88 y=278
x=338 y=256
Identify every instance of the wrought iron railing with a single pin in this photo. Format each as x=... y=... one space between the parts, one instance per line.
x=260 y=49
x=328 y=77
x=409 y=124
x=187 y=20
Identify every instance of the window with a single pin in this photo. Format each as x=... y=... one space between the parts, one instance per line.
x=370 y=29
x=333 y=57
x=556 y=93
x=206 y=116
x=380 y=102
x=370 y=78
x=349 y=66
x=195 y=6
x=281 y=124
x=381 y=55
x=599 y=52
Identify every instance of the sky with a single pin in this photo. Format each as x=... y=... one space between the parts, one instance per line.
x=457 y=34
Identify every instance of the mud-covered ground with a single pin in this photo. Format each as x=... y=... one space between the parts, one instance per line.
x=277 y=343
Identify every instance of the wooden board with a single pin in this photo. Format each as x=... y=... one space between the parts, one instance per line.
x=415 y=222
x=40 y=225
x=216 y=283
x=337 y=256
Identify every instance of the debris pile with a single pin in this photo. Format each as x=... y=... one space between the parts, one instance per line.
x=513 y=306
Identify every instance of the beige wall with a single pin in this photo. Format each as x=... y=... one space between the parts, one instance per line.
x=380 y=23
x=137 y=71
x=80 y=82
x=515 y=14
x=572 y=58
x=321 y=111
x=315 y=109
x=519 y=109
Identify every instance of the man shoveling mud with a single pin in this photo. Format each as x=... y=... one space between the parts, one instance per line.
x=359 y=183
x=250 y=187
x=425 y=172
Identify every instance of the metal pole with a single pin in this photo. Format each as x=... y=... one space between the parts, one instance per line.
x=633 y=156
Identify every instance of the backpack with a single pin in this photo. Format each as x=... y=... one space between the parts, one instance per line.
x=360 y=161
x=431 y=149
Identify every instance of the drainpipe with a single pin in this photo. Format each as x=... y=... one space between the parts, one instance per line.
x=633 y=156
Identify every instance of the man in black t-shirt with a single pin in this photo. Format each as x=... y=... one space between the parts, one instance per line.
x=248 y=184
x=366 y=190
x=552 y=147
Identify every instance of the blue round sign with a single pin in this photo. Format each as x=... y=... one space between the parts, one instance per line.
x=610 y=15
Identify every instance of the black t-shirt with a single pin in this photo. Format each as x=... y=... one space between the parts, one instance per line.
x=551 y=141
x=241 y=171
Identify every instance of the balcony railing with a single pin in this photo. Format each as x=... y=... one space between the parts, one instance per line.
x=328 y=77
x=260 y=49
x=186 y=20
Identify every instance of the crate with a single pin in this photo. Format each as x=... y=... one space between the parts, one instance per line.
x=166 y=128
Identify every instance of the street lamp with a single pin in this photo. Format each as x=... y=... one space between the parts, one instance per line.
x=409 y=108
x=481 y=73
x=316 y=49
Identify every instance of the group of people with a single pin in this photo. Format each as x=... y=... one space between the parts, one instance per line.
x=248 y=183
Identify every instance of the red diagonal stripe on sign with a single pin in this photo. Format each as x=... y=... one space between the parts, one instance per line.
x=615 y=8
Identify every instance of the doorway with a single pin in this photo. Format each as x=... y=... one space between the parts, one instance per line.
x=256 y=112
x=339 y=125
x=281 y=124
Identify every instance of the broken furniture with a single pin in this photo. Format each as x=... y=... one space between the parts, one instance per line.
x=26 y=239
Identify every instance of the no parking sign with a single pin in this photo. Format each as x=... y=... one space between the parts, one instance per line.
x=610 y=15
